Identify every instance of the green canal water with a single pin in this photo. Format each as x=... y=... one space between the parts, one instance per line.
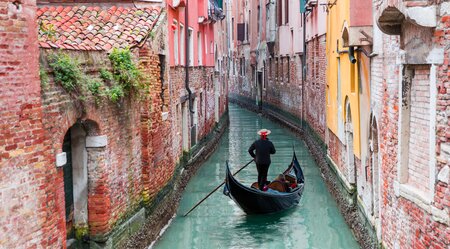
x=219 y=223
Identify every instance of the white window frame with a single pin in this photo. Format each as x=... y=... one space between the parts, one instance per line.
x=175 y=43
x=199 y=48
x=191 y=47
x=182 y=47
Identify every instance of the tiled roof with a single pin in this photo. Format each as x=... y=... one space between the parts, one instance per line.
x=93 y=28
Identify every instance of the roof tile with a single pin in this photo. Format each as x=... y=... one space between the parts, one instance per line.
x=94 y=28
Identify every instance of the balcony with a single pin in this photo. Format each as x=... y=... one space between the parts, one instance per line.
x=414 y=21
x=215 y=10
x=391 y=17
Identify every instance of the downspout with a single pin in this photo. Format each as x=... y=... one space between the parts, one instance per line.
x=186 y=60
x=304 y=69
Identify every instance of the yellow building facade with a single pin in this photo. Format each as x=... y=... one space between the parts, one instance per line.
x=348 y=110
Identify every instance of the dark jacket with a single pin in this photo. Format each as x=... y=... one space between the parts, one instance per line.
x=263 y=150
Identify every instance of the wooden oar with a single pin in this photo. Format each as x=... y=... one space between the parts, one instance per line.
x=210 y=193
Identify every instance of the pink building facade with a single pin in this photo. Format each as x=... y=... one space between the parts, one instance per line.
x=191 y=51
x=197 y=35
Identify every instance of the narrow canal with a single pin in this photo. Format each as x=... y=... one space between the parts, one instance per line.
x=219 y=223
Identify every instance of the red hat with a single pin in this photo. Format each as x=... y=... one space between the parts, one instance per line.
x=264 y=132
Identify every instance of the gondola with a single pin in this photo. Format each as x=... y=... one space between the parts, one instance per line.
x=254 y=201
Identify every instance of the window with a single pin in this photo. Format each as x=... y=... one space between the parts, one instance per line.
x=201 y=104
x=246 y=32
x=288 y=73
x=241 y=32
x=191 y=47
x=279 y=13
x=232 y=28
x=206 y=44
x=199 y=48
x=270 y=68
x=182 y=40
x=249 y=25
x=211 y=46
x=417 y=130
x=258 y=17
x=281 y=75
x=175 y=43
x=276 y=69
x=286 y=11
x=292 y=41
x=265 y=75
x=242 y=64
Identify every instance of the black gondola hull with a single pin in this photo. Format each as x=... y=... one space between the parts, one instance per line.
x=254 y=201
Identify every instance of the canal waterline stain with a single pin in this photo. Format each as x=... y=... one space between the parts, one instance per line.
x=219 y=223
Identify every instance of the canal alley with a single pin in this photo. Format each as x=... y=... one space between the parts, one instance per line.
x=219 y=223
x=116 y=115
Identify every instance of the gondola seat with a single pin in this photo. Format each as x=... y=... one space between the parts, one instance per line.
x=278 y=186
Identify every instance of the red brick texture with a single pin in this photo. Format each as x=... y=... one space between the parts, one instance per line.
x=29 y=213
x=143 y=135
x=315 y=85
x=114 y=171
x=337 y=152
x=201 y=83
x=157 y=156
x=405 y=224
x=284 y=84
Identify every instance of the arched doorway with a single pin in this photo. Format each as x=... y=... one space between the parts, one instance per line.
x=375 y=174
x=68 y=185
x=350 y=159
x=75 y=173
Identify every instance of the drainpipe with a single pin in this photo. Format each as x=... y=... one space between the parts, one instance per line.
x=304 y=68
x=186 y=60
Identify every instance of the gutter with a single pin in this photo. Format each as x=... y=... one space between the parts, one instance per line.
x=186 y=59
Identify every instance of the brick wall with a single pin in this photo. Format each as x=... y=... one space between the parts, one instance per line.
x=114 y=171
x=157 y=155
x=284 y=89
x=283 y=80
x=201 y=83
x=28 y=214
x=442 y=38
x=418 y=164
x=316 y=84
x=337 y=151
x=284 y=84
x=404 y=223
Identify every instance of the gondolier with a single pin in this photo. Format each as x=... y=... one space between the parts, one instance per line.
x=260 y=150
x=254 y=201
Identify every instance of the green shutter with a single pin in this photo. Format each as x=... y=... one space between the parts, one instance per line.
x=303 y=6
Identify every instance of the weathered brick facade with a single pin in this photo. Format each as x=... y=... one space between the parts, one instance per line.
x=118 y=177
x=282 y=84
x=203 y=86
x=409 y=217
x=398 y=180
x=28 y=205
x=315 y=85
x=74 y=166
